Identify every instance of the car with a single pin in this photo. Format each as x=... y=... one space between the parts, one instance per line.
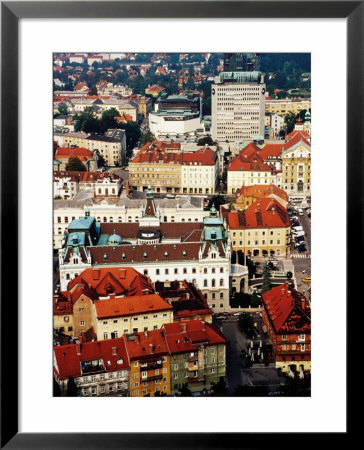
x=295 y=223
x=221 y=317
x=239 y=313
x=306 y=280
x=301 y=248
x=274 y=267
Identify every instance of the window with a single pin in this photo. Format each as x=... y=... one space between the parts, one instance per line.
x=221 y=282
x=157 y=272
x=175 y=376
x=102 y=389
x=284 y=337
x=104 y=322
x=82 y=323
x=175 y=367
x=166 y=271
x=106 y=335
x=111 y=388
x=302 y=347
x=221 y=270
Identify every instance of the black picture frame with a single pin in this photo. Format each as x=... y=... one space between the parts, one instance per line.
x=11 y=12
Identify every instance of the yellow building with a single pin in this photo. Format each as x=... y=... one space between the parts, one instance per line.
x=296 y=169
x=149 y=364
x=118 y=315
x=262 y=229
x=247 y=195
x=286 y=106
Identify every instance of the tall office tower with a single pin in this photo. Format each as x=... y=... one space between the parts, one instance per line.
x=238 y=106
x=241 y=62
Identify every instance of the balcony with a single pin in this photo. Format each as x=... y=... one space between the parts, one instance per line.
x=152 y=378
x=150 y=366
x=193 y=358
x=193 y=379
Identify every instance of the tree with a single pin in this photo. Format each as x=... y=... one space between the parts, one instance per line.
x=290 y=121
x=245 y=322
x=63 y=110
x=108 y=119
x=71 y=388
x=266 y=285
x=217 y=201
x=255 y=301
x=148 y=136
x=206 y=140
x=132 y=133
x=75 y=165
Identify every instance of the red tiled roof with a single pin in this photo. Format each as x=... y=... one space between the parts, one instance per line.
x=146 y=345
x=183 y=337
x=271 y=150
x=261 y=190
x=126 y=306
x=68 y=362
x=66 y=152
x=124 y=280
x=249 y=159
x=265 y=212
x=283 y=307
x=62 y=304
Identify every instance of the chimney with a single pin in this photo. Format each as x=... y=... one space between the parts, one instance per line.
x=122 y=274
x=146 y=332
x=303 y=304
x=78 y=348
x=114 y=351
x=95 y=274
x=127 y=189
x=183 y=327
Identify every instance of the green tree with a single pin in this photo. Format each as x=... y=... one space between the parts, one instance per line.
x=92 y=125
x=290 y=121
x=108 y=119
x=206 y=140
x=148 y=136
x=255 y=301
x=71 y=388
x=266 y=285
x=132 y=133
x=75 y=165
x=63 y=110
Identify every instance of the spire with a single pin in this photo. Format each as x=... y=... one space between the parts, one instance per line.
x=149 y=208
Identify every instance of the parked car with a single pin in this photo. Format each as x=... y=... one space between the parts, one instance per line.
x=239 y=313
x=306 y=280
x=295 y=223
x=221 y=317
x=301 y=248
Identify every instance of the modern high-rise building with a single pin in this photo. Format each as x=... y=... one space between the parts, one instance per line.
x=241 y=62
x=238 y=101
x=238 y=106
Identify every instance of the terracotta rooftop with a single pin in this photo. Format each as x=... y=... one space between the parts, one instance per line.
x=126 y=306
x=265 y=212
x=69 y=358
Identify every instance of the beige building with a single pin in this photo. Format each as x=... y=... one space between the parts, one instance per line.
x=237 y=106
x=296 y=170
x=262 y=229
x=115 y=316
x=164 y=167
x=287 y=105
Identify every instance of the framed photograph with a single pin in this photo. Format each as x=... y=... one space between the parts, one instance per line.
x=50 y=53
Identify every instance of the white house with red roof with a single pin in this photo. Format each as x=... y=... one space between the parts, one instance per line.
x=248 y=168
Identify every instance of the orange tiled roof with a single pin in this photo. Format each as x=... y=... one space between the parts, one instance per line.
x=127 y=306
x=283 y=302
x=265 y=212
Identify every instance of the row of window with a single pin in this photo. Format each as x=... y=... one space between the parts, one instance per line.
x=271 y=242
x=101 y=377
x=104 y=389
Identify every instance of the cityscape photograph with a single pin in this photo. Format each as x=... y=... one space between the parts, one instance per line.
x=181 y=224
